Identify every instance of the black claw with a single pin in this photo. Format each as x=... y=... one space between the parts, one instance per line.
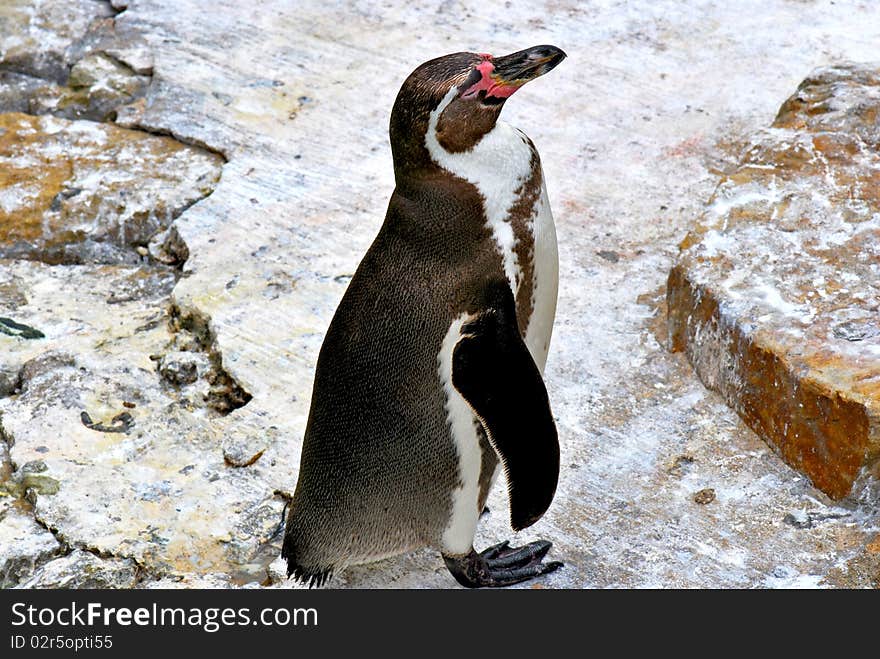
x=495 y=550
x=501 y=565
x=530 y=554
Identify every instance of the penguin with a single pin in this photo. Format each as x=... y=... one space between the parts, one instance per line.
x=429 y=380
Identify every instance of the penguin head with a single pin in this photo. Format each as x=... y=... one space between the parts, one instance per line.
x=459 y=97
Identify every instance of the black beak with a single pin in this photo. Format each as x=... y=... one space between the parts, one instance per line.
x=524 y=65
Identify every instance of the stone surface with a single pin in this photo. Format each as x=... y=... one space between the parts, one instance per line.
x=24 y=544
x=776 y=294
x=158 y=492
x=632 y=128
x=80 y=569
x=74 y=192
x=183 y=368
x=210 y=581
x=43 y=37
x=69 y=59
x=99 y=88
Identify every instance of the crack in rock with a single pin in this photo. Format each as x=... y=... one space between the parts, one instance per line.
x=102 y=71
x=70 y=567
x=196 y=358
x=43 y=39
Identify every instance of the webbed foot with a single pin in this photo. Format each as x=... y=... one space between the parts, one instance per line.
x=501 y=565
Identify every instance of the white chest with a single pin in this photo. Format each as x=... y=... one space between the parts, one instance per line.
x=498 y=166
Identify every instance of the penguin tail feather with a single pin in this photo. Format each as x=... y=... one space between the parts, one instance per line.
x=313 y=578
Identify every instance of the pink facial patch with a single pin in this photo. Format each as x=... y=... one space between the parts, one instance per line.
x=493 y=85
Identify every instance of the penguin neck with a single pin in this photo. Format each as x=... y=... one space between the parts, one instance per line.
x=501 y=158
x=498 y=166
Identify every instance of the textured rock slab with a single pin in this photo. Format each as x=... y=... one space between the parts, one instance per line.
x=24 y=544
x=80 y=191
x=42 y=37
x=155 y=489
x=82 y=350
x=776 y=295
x=81 y=569
x=67 y=58
x=210 y=581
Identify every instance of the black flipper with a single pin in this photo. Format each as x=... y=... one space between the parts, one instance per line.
x=495 y=373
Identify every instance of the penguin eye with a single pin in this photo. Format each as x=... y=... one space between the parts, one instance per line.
x=469 y=86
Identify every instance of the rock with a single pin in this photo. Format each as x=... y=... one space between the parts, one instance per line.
x=775 y=294
x=40 y=483
x=704 y=496
x=81 y=569
x=131 y=115
x=80 y=191
x=33 y=476
x=608 y=255
x=276 y=572
x=38 y=38
x=11 y=294
x=34 y=467
x=183 y=368
x=8 y=382
x=160 y=493
x=82 y=65
x=20 y=92
x=862 y=571
x=213 y=581
x=168 y=247
x=256 y=541
x=135 y=56
x=98 y=85
x=44 y=364
x=141 y=283
x=24 y=544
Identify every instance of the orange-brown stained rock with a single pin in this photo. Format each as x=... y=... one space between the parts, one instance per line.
x=775 y=297
x=74 y=191
x=28 y=187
